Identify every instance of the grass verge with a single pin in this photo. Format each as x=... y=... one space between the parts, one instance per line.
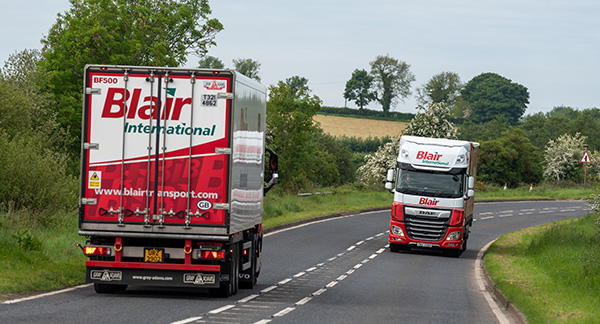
x=282 y=208
x=537 y=192
x=551 y=273
x=37 y=258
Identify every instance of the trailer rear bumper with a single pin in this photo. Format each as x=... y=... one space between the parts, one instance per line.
x=153 y=274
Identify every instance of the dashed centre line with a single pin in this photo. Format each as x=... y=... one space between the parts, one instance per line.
x=270 y=297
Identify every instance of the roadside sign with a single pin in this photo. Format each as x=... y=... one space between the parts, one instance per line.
x=585 y=158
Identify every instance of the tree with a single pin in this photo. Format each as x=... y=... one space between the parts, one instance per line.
x=489 y=95
x=562 y=157
x=392 y=78
x=290 y=129
x=125 y=32
x=510 y=159
x=432 y=122
x=33 y=166
x=210 y=62
x=484 y=132
x=443 y=87
x=358 y=88
x=247 y=67
x=298 y=86
x=24 y=107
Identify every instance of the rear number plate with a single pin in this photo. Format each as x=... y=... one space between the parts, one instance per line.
x=154 y=255
x=425 y=245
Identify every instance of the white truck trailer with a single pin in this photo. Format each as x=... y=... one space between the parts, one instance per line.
x=172 y=178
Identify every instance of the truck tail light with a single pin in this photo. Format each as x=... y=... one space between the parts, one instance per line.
x=96 y=250
x=214 y=255
x=457 y=217
x=397 y=213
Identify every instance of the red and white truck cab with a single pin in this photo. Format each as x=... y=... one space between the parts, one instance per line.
x=433 y=194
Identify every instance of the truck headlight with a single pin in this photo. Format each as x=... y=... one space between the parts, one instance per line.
x=396 y=230
x=453 y=236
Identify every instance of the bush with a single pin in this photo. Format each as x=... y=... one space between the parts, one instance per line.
x=34 y=179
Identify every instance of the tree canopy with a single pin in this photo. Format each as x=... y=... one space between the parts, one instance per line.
x=562 y=157
x=247 y=67
x=392 y=79
x=298 y=86
x=442 y=87
x=432 y=121
x=509 y=159
x=358 y=88
x=489 y=95
x=210 y=62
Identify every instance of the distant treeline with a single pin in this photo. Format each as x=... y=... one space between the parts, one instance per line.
x=374 y=114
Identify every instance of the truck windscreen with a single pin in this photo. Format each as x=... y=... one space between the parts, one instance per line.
x=432 y=184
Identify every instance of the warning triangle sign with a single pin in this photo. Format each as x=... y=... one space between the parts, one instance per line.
x=94 y=176
x=585 y=158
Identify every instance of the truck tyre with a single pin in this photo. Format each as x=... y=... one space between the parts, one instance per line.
x=230 y=288
x=108 y=289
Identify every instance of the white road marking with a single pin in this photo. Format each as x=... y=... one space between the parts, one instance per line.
x=283 y=312
x=486 y=294
x=303 y=301
x=299 y=274
x=221 y=309
x=318 y=292
x=266 y=290
x=188 y=320
x=284 y=281
x=45 y=294
x=247 y=299
x=331 y=284
x=265 y=321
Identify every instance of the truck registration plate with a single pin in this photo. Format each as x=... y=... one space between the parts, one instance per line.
x=154 y=255
x=425 y=245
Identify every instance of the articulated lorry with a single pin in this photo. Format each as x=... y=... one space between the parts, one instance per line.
x=173 y=178
x=433 y=186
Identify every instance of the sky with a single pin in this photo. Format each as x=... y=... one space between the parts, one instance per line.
x=552 y=47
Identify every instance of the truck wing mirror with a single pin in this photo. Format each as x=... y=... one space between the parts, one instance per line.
x=470 y=193
x=389 y=180
x=272 y=172
x=471 y=183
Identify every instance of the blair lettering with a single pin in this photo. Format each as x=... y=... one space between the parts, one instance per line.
x=114 y=106
x=428 y=202
x=428 y=156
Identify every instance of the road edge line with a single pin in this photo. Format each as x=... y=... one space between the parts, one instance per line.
x=499 y=304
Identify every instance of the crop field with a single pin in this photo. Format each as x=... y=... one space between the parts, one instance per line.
x=359 y=127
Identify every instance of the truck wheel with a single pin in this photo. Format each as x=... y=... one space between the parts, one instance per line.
x=108 y=289
x=230 y=288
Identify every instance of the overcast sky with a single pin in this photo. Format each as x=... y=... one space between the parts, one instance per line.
x=552 y=47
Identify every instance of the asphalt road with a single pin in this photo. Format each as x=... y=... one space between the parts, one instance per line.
x=332 y=271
